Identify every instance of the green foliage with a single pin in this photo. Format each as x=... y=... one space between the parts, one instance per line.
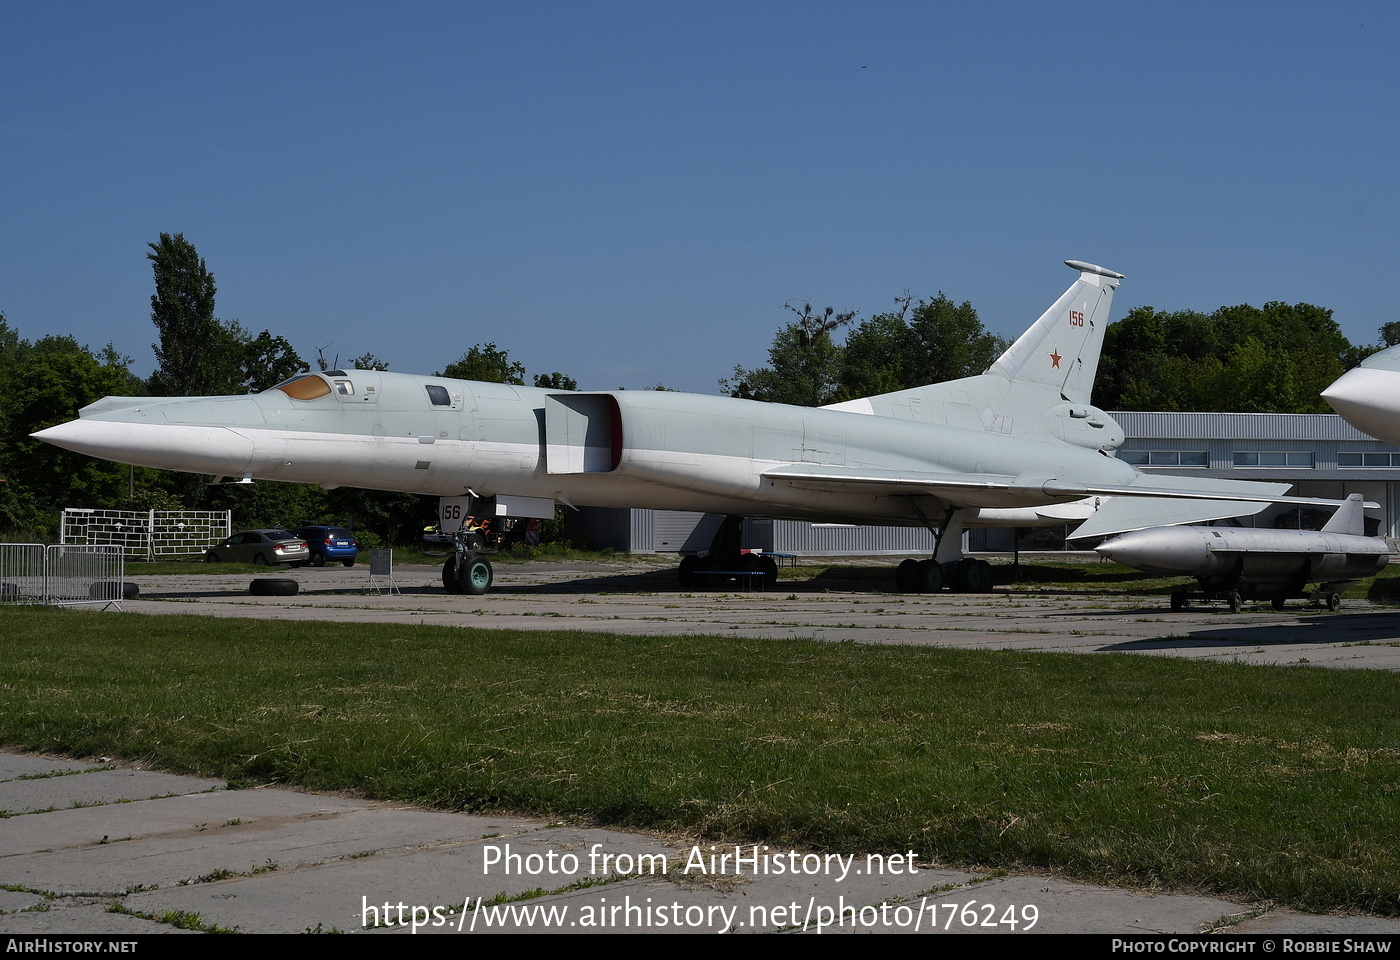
x=47 y=382
x=368 y=361
x=267 y=503
x=804 y=369
x=488 y=363
x=199 y=354
x=924 y=342
x=555 y=381
x=1272 y=359
x=267 y=361
x=398 y=518
x=367 y=540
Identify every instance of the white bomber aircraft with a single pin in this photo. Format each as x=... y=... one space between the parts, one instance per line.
x=1018 y=443
x=1368 y=396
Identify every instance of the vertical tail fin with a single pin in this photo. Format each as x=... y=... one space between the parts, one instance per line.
x=1349 y=518
x=1061 y=350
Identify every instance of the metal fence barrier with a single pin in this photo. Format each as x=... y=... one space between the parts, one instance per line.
x=21 y=573
x=62 y=575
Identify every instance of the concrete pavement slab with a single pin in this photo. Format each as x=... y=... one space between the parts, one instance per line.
x=169 y=858
x=14 y=766
x=636 y=597
x=96 y=787
x=328 y=863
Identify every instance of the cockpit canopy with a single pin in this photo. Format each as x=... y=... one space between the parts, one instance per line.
x=304 y=386
x=364 y=386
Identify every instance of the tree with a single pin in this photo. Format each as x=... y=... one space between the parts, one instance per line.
x=925 y=342
x=1243 y=359
x=804 y=362
x=486 y=362
x=45 y=384
x=368 y=361
x=267 y=361
x=197 y=355
x=555 y=381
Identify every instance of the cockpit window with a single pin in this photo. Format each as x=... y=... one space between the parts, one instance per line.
x=438 y=395
x=308 y=386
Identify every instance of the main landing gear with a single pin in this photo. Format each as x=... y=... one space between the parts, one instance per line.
x=947 y=567
x=968 y=575
x=727 y=562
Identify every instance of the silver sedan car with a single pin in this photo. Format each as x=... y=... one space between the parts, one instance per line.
x=261 y=547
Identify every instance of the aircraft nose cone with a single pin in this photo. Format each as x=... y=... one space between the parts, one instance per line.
x=1365 y=399
x=192 y=448
x=76 y=435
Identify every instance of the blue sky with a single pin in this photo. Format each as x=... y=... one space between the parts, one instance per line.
x=629 y=191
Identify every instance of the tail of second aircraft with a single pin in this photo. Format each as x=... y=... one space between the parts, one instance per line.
x=1040 y=386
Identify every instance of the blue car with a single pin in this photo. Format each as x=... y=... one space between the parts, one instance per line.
x=329 y=544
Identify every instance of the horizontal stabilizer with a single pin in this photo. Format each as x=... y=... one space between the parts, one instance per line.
x=1123 y=514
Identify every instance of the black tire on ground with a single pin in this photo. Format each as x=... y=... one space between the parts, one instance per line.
x=476 y=575
x=978 y=576
x=347 y=563
x=930 y=576
x=114 y=590
x=211 y=557
x=273 y=587
x=1277 y=604
x=955 y=576
x=259 y=559
x=770 y=572
x=1334 y=601
x=906 y=576
x=317 y=560
x=1178 y=601
x=686 y=573
x=1234 y=601
x=472 y=576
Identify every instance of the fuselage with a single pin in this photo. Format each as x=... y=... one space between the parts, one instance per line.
x=664 y=450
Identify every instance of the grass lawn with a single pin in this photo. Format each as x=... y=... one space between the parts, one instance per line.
x=1278 y=783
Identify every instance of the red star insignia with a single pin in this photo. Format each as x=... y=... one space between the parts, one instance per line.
x=1055 y=360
